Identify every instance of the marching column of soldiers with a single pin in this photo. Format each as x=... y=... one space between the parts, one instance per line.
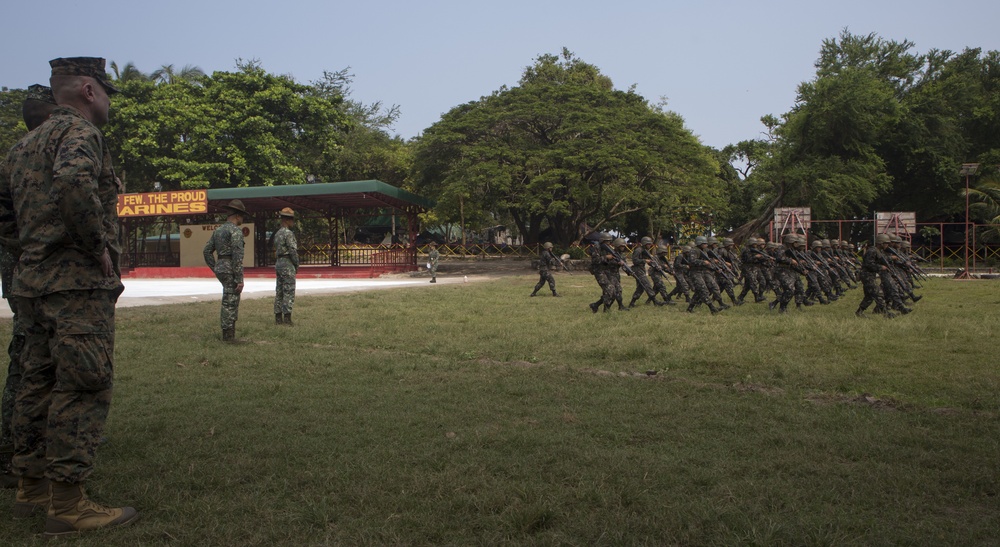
x=793 y=271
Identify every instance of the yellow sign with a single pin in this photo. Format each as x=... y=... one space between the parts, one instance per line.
x=186 y=202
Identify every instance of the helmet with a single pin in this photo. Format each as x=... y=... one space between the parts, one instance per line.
x=789 y=239
x=906 y=244
x=700 y=240
x=835 y=243
x=882 y=238
x=287 y=212
x=817 y=243
x=727 y=241
x=547 y=245
x=895 y=238
x=604 y=237
x=646 y=241
x=619 y=242
x=662 y=249
x=712 y=240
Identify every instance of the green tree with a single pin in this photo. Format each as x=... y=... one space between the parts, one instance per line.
x=12 y=126
x=240 y=128
x=561 y=151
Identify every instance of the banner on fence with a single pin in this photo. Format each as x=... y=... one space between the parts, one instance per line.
x=896 y=223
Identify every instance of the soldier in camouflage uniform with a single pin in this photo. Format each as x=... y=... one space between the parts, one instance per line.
x=640 y=258
x=700 y=275
x=547 y=262
x=786 y=274
x=58 y=214
x=681 y=272
x=37 y=107
x=872 y=265
x=433 y=257
x=286 y=265
x=657 y=274
x=224 y=255
x=600 y=273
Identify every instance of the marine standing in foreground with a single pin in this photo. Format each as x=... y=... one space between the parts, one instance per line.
x=226 y=243
x=286 y=265
x=37 y=108
x=58 y=212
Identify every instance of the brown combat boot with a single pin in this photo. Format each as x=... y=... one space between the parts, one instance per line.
x=288 y=319
x=71 y=511
x=32 y=497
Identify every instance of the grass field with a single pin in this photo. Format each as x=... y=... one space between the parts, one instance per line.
x=470 y=414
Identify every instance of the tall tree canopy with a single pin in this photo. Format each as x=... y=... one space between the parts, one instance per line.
x=880 y=127
x=562 y=150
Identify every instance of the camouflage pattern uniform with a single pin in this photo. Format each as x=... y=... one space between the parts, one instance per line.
x=601 y=276
x=58 y=207
x=681 y=272
x=547 y=262
x=640 y=258
x=14 y=371
x=226 y=243
x=286 y=251
x=700 y=275
x=871 y=266
x=786 y=274
x=433 y=257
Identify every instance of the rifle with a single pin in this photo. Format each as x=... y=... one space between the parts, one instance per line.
x=723 y=268
x=609 y=250
x=909 y=265
x=655 y=262
x=559 y=260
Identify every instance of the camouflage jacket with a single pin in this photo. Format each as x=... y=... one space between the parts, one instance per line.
x=226 y=243
x=285 y=247
x=58 y=207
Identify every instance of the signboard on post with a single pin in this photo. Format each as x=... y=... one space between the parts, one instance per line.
x=186 y=202
x=791 y=220
x=902 y=224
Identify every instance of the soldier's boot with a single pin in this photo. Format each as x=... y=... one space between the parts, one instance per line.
x=621 y=306
x=723 y=305
x=288 y=319
x=783 y=308
x=713 y=309
x=889 y=315
x=759 y=299
x=434 y=280
x=915 y=298
x=229 y=335
x=860 y=313
x=278 y=319
x=595 y=306
x=732 y=297
x=630 y=304
x=32 y=497
x=71 y=511
x=904 y=310
x=772 y=305
x=555 y=294
x=534 y=293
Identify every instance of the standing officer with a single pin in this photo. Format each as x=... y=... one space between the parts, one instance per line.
x=286 y=265
x=432 y=260
x=37 y=108
x=226 y=243
x=58 y=212
x=546 y=263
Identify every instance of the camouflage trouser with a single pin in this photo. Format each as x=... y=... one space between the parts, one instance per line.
x=543 y=277
x=642 y=285
x=873 y=292
x=230 y=301
x=607 y=291
x=712 y=284
x=891 y=290
x=788 y=285
x=14 y=373
x=699 y=284
x=614 y=287
x=683 y=286
x=65 y=390
x=659 y=285
x=284 y=289
x=751 y=281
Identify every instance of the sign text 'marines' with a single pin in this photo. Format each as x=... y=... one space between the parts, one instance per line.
x=187 y=202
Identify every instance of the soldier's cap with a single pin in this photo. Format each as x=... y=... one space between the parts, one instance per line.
x=40 y=93
x=287 y=212
x=83 y=66
x=237 y=207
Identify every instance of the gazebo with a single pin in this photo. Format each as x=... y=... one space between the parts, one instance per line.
x=196 y=212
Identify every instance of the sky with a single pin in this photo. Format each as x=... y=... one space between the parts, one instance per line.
x=721 y=65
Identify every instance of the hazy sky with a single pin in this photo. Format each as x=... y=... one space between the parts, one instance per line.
x=721 y=65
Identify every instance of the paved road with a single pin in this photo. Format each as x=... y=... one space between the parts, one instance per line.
x=154 y=292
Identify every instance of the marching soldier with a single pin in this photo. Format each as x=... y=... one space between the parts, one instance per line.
x=640 y=258
x=547 y=261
